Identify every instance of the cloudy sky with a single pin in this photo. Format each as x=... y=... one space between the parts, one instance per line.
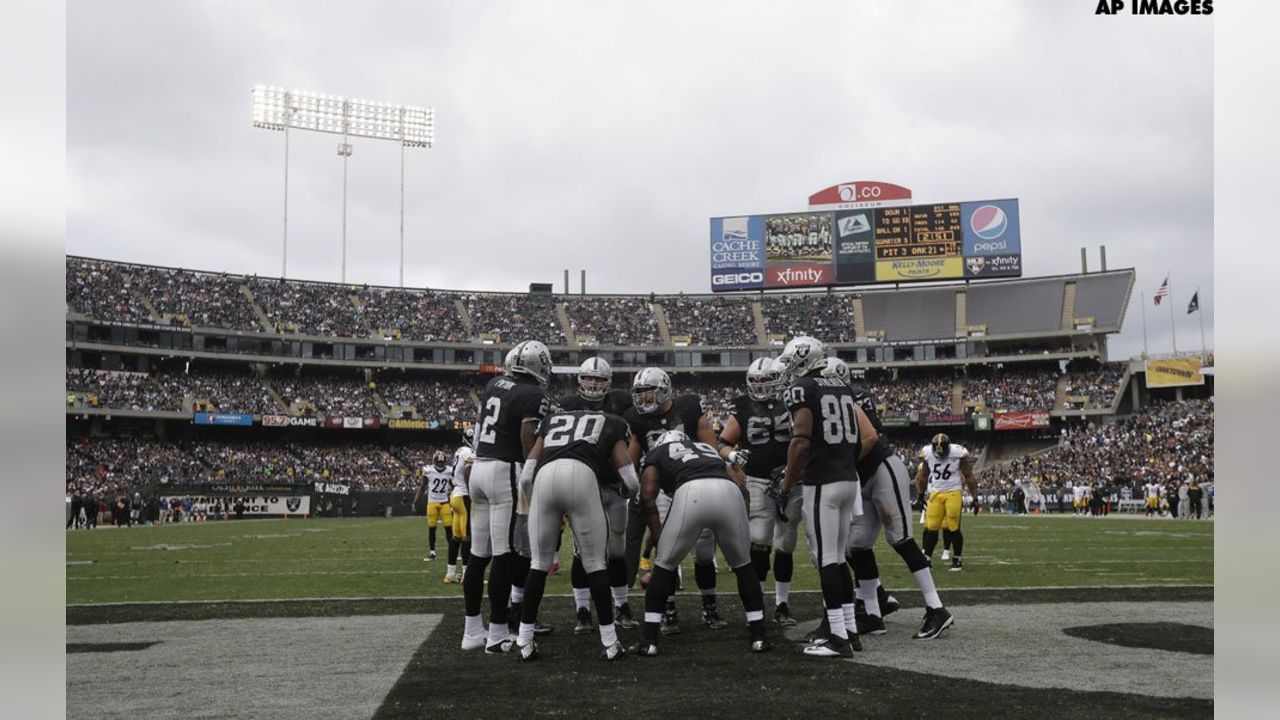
x=603 y=135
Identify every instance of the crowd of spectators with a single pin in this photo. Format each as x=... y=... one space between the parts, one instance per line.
x=1007 y=389
x=427 y=399
x=308 y=308
x=716 y=321
x=103 y=291
x=515 y=317
x=620 y=320
x=413 y=314
x=218 y=392
x=197 y=298
x=927 y=394
x=112 y=389
x=825 y=316
x=1097 y=387
x=1167 y=443
x=316 y=396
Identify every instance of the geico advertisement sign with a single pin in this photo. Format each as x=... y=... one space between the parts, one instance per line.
x=253 y=504
x=737 y=280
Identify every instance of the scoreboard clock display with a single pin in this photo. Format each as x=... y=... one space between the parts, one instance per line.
x=919 y=231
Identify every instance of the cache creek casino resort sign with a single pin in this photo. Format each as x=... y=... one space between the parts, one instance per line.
x=866 y=232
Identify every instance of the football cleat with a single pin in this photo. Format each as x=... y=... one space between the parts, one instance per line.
x=855 y=643
x=585 y=625
x=473 y=642
x=502 y=646
x=760 y=645
x=646 y=564
x=956 y=566
x=888 y=603
x=935 y=621
x=782 y=615
x=644 y=649
x=713 y=619
x=451 y=580
x=870 y=624
x=823 y=630
x=622 y=617
x=431 y=555
x=527 y=653
x=614 y=652
x=671 y=622
x=946 y=554
x=540 y=629
x=830 y=646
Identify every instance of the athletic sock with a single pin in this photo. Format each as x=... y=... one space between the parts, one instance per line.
x=581 y=598
x=517 y=594
x=835 y=618
x=472 y=624
x=526 y=633
x=497 y=632
x=781 y=591
x=608 y=634
x=957 y=544
x=849 y=613
x=620 y=593
x=449 y=570
x=869 y=597
x=924 y=579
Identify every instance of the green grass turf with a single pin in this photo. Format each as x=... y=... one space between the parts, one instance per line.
x=376 y=557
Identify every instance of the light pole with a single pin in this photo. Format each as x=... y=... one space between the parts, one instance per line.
x=275 y=108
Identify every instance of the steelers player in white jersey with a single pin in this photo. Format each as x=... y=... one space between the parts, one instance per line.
x=946 y=464
x=460 y=504
x=437 y=480
x=1152 y=492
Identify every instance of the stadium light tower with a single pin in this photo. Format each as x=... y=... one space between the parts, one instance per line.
x=275 y=108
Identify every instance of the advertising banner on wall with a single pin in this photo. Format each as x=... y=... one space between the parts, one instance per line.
x=1173 y=372
x=1021 y=420
x=208 y=418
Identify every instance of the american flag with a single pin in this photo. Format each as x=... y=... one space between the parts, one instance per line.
x=1163 y=292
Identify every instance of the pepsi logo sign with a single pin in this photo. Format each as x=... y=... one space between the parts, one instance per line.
x=989 y=222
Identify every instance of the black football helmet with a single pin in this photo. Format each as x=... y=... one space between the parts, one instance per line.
x=941 y=446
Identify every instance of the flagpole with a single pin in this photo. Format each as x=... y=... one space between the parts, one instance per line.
x=1144 y=323
x=1173 y=330
x=1204 y=353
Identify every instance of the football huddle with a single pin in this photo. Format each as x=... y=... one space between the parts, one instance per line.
x=644 y=478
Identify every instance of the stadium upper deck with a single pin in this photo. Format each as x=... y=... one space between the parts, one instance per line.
x=114 y=304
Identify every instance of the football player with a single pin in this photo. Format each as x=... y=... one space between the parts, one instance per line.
x=656 y=410
x=703 y=495
x=512 y=406
x=1152 y=492
x=829 y=434
x=886 y=496
x=437 y=480
x=595 y=380
x=756 y=438
x=946 y=464
x=579 y=458
x=460 y=504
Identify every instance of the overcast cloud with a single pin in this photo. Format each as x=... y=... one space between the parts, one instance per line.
x=603 y=135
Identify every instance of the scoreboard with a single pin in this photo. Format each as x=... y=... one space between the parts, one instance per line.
x=939 y=241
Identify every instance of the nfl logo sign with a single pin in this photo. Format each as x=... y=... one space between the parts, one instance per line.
x=975 y=264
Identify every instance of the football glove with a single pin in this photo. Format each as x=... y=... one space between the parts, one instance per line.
x=738 y=458
x=780 y=506
x=918 y=503
x=778 y=473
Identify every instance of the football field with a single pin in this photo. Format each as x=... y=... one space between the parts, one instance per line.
x=343 y=618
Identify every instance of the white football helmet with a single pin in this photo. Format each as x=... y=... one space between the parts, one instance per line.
x=532 y=359
x=836 y=368
x=764 y=375
x=676 y=435
x=651 y=388
x=801 y=356
x=594 y=379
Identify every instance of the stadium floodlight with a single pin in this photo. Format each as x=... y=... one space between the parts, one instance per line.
x=412 y=126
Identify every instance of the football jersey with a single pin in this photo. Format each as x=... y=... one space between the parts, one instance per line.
x=616 y=402
x=881 y=451
x=679 y=462
x=834 y=441
x=506 y=405
x=683 y=415
x=460 y=469
x=944 y=473
x=585 y=436
x=765 y=431
x=439 y=482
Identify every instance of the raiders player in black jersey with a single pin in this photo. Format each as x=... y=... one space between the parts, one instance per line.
x=511 y=408
x=829 y=434
x=595 y=379
x=580 y=458
x=756 y=436
x=887 y=503
x=703 y=495
x=655 y=411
